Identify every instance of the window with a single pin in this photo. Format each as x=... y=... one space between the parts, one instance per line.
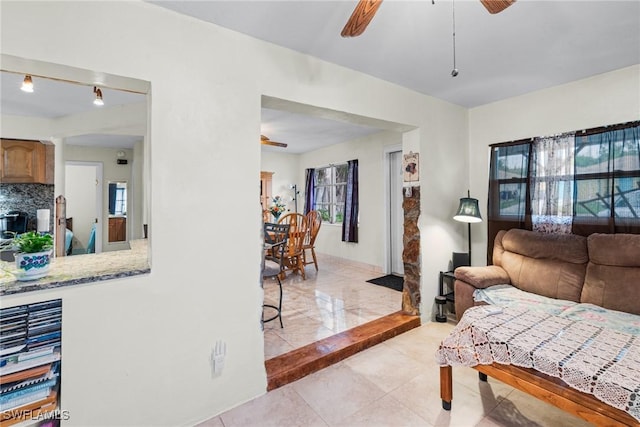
x=593 y=187
x=510 y=165
x=121 y=201
x=608 y=176
x=330 y=190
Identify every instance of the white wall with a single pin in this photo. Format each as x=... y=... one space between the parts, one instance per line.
x=369 y=151
x=136 y=351
x=111 y=172
x=80 y=191
x=605 y=99
x=123 y=119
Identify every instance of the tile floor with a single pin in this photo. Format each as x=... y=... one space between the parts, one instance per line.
x=330 y=301
x=395 y=383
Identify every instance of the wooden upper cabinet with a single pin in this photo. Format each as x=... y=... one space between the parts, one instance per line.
x=23 y=162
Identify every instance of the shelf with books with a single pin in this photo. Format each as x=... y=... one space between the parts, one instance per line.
x=30 y=358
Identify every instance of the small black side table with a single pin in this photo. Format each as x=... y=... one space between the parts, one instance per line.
x=445 y=294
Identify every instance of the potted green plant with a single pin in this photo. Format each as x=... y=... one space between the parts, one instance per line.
x=33 y=255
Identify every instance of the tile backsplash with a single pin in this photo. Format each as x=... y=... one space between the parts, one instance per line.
x=28 y=198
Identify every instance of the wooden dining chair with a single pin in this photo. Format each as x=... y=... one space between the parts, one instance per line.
x=314 y=221
x=294 y=257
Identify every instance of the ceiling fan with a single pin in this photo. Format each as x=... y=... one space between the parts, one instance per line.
x=366 y=9
x=266 y=141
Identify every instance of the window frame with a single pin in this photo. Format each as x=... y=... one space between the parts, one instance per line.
x=334 y=208
x=121 y=201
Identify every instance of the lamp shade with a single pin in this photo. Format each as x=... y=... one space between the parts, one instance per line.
x=468 y=211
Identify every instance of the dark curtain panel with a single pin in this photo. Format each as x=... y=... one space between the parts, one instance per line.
x=351 y=206
x=508 y=191
x=112 y=198
x=309 y=190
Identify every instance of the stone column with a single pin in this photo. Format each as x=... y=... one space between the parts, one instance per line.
x=411 y=253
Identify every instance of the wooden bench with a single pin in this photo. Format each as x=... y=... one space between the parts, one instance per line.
x=546 y=388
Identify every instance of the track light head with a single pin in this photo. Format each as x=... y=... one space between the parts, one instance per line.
x=27 y=84
x=98 y=101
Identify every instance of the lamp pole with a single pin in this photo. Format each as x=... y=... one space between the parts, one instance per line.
x=469 y=237
x=295 y=196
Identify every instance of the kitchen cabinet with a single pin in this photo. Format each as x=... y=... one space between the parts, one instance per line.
x=117 y=229
x=23 y=162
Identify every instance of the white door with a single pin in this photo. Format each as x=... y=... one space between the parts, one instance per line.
x=83 y=192
x=396 y=213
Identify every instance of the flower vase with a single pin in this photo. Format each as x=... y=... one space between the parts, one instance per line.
x=276 y=216
x=32 y=266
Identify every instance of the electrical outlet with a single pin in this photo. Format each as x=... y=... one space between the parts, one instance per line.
x=218 y=354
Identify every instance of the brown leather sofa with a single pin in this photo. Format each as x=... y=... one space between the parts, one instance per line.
x=602 y=269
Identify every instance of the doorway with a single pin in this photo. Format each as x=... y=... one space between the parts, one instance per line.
x=395 y=224
x=291 y=123
x=83 y=192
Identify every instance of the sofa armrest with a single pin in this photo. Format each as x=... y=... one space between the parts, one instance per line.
x=482 y=277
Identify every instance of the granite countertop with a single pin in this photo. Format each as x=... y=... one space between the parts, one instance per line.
x=79 y=269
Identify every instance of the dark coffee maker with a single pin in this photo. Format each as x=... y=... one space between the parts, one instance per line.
x=14 y=222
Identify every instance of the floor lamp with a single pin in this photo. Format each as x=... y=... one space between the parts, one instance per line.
x=294 y=187
x=468 y=212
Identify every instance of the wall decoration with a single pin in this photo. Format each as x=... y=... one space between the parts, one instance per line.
x=411 y=167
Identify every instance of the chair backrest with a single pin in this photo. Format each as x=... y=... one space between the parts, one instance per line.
x=314 y=221
x=91 y=246
x=297 y=231
x=276 y=236
x=293 y=219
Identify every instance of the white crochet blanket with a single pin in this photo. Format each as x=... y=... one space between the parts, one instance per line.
x=593 y=359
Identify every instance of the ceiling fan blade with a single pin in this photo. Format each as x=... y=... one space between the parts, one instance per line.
x=360 y=18
x=266 y=141
x=497 y=6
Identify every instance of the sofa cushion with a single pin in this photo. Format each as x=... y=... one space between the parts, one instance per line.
x=552 y=265
x=613 y=277
x=621 y=250
x=562 y=247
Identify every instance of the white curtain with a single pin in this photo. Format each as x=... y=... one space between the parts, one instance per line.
x=552 y=183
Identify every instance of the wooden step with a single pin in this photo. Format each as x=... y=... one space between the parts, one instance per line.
x=298 y=363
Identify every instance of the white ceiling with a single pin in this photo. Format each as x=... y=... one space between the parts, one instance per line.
x=529 y=46
x=53 y=99
x=305 y=133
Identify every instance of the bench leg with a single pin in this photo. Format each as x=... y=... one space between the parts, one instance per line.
x=446 y=387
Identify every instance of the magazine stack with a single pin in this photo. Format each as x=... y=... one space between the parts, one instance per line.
x=30 y=351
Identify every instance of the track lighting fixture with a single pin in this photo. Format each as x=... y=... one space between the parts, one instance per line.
x=98 y=101
x=27 y=84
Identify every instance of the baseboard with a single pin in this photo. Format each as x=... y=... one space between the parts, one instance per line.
x=370 y=268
